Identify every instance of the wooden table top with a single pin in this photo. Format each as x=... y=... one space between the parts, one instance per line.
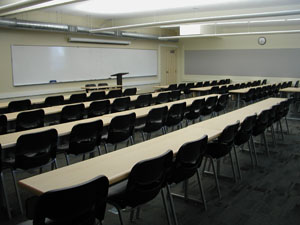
x=117 y=165
x=290 y=89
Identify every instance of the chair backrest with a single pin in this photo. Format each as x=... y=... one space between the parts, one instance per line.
x=223 y=89
x=78 y=204
x=30 y=119
x=188 y=160
x=90 y=85
x=120 y=104
x=20 y=105
x=227 y=81
x=297 y=83
x=228 y=134
x=210 y=104
x=194 y=110
x=54 y=100
x=143 y=101
x=97 y=95
x=121 y=128
x=146 y=179
x=214 y=82
x=176 y=114
x=98 y=108
x=130 y=91
x=223 y=81
x=199 y=84
x=261 y=122
x=71 y=113
x=3 y=124
x=181 y=86
x=174 y=95
x=222 y=102
x=114 y=94
x=214 y=90
x=35 y=149
x=289 y=84
x=206 y=83
x=102 y=84
x=155 y=119
x=75 y=98
x=172 y=87
x=162 y=98
x=245 y=130
x=264 y=81
x=84 y=137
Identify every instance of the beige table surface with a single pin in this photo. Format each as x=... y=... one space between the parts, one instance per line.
x=10 y=139
x=117 y=165
x=290 y=89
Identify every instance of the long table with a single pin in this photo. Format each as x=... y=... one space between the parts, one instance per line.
x=117 y=165
x=10 y=139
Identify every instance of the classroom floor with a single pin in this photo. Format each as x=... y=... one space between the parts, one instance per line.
x=268 y=194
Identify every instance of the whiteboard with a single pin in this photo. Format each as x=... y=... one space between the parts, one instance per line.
x=42 y=64
x=244 y=62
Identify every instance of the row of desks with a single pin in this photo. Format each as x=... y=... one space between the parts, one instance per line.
x=117 y=165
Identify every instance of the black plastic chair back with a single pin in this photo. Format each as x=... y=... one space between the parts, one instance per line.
x=120 y=104
x=188 y=87
x=214 y=82
x=261 y=122
x=242 y=85
x=289 y=84
x=162 y=98
x=130 y=91
x=71 y=113
x=175 y=114
x=79 y=204
x=223 y=89
x=206 y=84
x=221 y=103
x=155 y=119
x=98 y=108
x=143 y=101
x=245 y=130
x=181 y=86
x=114 y=94
x=90 y=85
x=222 y=82
x=147 y=178
x=214 y=90
x=35 y=149
x=199 y=84
x=174 y=95
x=210 y=104
x=121 y=128
x=236 y=86
x=3 y=124
x=102 y=84
x=84 y=137
x=194 y=110
x=97 y=95
x=264 y=82
x=228 y=134
x=20 y=105
x=172 y=87
x=54 y=100
x=297 y=83
x=30 y=120
x=227 y=81
x=75 y=98
x=188 y=160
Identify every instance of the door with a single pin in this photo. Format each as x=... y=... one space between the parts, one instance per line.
x=169 y=65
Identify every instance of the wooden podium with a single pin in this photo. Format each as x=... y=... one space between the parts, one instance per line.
x=119 y=77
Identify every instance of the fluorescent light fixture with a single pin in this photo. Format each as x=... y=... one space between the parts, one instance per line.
x=232 y=34
x=98 y=41
x=178 y=25
x=40 y=5
x=267 y=21
x=189 y=29
x=232 y=23
x=294 y=19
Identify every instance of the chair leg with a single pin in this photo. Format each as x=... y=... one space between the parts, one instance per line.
x=172 y=205
x=287 y=126
x=143 y=136
x=266 y=144
x=237 y=162
x=17 y=191
x=67 y=159
x=131 y=140
x=250 y=153
x=273 y=135
x=232 y=166
x=105 y=148
x=5 y=195
x=99 y=149
x=201 y=189
x=254 y=150
x=280 y=126
x=165 y=206
x=216 y=177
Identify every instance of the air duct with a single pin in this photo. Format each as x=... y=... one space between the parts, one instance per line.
x=53 y=27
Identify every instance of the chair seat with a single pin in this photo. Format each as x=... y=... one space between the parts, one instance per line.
x=217 y=150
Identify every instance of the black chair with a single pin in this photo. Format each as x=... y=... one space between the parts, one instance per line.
x=223 y=89
x=187 y=163
x=71 y=113
x=98 y=108
x=261 y=126
x=172 y=87
x=120 y=104
x=214 y=82
x=206 y=84
x=84 y=139
x=296 y=84
x=209 y=106
x=79 y=204
x=181 y=86
x=30 y=120
x=75 y=98
x=143 y=101
x=220 y=148
x=221 y=103
x=114 y=94
x=162 y=97
x=244 y=135
x=194 y=110
x=155 y=120
x=120 y=129
x=33 y=151
x=130 y=91
x=174 y=95
x=102 y=84
x=20 y=105
x=214 y=90
x=54 y=100
x=3 y=187
x=145 y=181
x=264 y=82
x=175 y=115
x=91 y=87
x=199 y=84
x=248 y=97
x=97 y=95
x=227 y=81
x=187 y=90
x=271 y=120
x=221 y=82
x=3 y=124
